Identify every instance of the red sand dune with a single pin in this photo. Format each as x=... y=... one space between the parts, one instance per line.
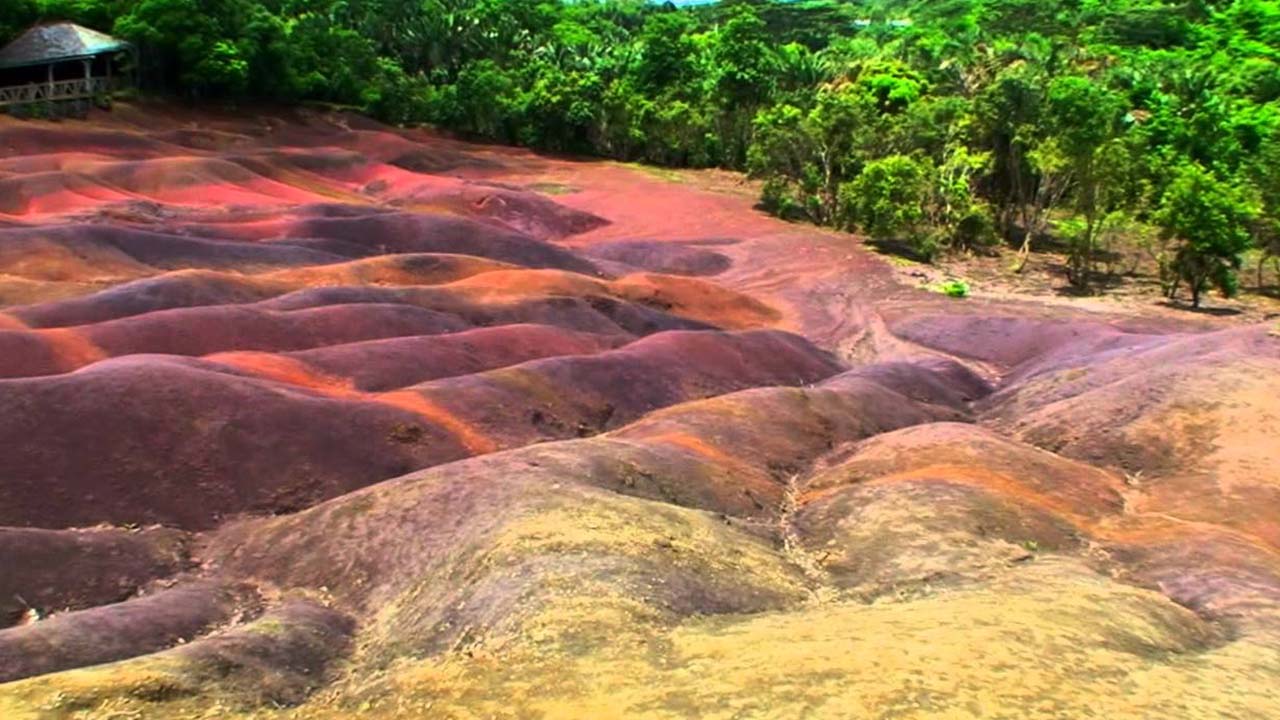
x=205 y=330
x=378 y=365
x=663 y=257
x=90 y=252
x=304 y=410
x=192 y=288
x=228 y=442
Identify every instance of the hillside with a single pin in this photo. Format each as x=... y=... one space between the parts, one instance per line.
x=305 y=416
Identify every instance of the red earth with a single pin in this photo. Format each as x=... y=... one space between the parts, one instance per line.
x=306 y=416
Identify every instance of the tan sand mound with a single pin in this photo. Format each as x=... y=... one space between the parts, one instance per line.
x=1192 y=421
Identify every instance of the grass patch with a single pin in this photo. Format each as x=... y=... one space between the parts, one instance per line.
x=661 y=173
x=552 y=188
x=952 y=288
x=900 y=261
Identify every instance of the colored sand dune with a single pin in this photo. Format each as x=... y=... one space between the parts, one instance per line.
x=304 y=422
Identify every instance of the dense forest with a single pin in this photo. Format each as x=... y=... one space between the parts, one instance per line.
x=940 y=124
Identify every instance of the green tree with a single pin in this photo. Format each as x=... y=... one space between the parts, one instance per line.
x=782 y=155
x=1008 y=117
x=330 y=62
x=886 y=200
x=1085 y=121
x=486 y=102
x=952 y=207
x=204 y=48
x=743 y=70
x=806 y=155
x=666 y=53
x=1208 y=219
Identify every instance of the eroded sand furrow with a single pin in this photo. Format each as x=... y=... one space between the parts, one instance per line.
x=182 y=441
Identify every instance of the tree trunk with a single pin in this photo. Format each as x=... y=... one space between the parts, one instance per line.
x=1171 y=292
x=1024 y=253
x=1197 y=279
x=828 y=191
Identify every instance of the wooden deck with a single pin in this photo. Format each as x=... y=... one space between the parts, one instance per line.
x=80 y=88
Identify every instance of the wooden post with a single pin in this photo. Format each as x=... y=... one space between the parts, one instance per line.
x=50 y=68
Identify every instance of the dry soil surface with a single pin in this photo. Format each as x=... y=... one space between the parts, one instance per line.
x=306 y=417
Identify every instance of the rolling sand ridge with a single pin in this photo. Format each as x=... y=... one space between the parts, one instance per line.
x=302 y=416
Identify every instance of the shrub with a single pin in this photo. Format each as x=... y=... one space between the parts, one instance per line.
x=974 y=229
x=886 y=198
x=954 y=288
x=1209 y=218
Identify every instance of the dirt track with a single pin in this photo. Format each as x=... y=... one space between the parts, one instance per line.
x=307 y=417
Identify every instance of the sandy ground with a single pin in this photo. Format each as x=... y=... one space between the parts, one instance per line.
x=303 y=416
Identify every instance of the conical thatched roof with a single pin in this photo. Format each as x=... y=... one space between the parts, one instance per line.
x=56 y=42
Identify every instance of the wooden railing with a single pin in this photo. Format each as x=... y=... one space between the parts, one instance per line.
x=51 y=92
